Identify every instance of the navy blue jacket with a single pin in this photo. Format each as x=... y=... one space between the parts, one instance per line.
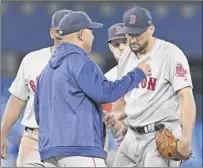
x=68 y=100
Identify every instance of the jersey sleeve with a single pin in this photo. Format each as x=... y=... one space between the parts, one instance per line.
x=178 y=71
x=111 y=74
x=19 y=86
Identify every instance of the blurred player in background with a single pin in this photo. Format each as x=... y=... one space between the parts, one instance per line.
x=165 y=99
x=22 y=92
x=118 y=46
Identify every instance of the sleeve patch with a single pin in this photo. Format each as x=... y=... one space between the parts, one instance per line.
x=180 y=71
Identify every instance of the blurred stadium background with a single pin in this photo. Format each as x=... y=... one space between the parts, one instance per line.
x=25 y=27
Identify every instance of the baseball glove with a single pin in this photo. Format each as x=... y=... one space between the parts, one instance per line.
x=167 y=146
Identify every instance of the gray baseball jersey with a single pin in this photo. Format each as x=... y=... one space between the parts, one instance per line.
x=111 y=74
x=24 y=84
x=155 y=99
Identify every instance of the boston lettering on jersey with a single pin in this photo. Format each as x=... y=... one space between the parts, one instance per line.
x=149 y=83
x=33 y=84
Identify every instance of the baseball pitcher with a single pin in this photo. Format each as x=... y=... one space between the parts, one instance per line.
x=161 y=109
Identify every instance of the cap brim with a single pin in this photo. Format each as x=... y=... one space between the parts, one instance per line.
x=95 y=25
x=132 y=30
x=117 y=38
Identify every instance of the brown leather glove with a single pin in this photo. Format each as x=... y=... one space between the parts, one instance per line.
x=167 y=146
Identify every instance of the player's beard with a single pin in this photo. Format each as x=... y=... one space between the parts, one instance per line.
x=58 y=40
x=137 y=48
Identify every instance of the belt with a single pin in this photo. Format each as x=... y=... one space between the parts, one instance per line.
x=148 y=128
x=28 y=129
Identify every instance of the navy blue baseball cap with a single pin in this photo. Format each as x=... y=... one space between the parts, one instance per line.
x=76 y=21
x=136 y=21
x=57 y=16
x=113 y=30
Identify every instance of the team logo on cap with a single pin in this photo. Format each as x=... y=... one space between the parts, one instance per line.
x=118 y=28
x=132 y=19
